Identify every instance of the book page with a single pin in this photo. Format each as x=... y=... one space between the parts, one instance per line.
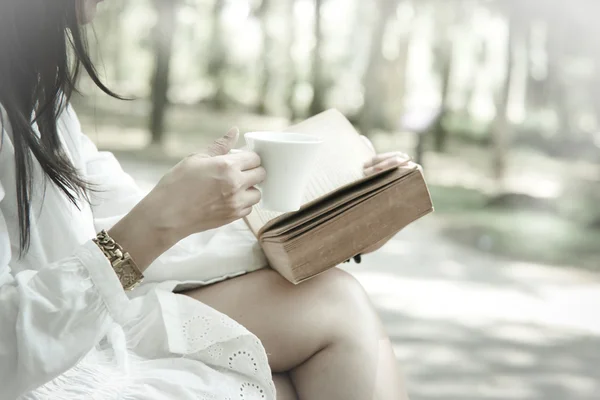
x=340 y=162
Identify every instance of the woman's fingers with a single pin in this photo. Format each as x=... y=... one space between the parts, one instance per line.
x=245 y=160
x=250 y=198
x=384 y=156
x=387 y=163
x=371 y=171
x=253 y=177
x=245 y=212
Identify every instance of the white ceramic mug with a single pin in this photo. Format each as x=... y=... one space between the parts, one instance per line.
x=289 y=159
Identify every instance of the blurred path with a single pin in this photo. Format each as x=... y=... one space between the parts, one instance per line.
x=467 y=326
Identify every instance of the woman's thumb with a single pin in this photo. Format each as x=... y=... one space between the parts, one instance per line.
x=223 y=145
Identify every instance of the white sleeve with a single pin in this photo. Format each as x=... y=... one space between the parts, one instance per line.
x=51 y=318
x=199 y=259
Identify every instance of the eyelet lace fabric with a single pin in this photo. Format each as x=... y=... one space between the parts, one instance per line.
x=205 y=355
x=222 y=343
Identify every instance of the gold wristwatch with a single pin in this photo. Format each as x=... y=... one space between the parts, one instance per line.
x=128 y=272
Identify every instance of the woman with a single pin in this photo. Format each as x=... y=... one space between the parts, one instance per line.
x=67 y=328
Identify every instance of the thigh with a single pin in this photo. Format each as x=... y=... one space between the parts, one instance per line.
x=289 y=320
x=285 y=388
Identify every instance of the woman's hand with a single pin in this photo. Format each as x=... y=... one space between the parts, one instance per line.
x=385 y=161
x=378 y=163
x=202 y=192
x=206 y=191
x=381 y=162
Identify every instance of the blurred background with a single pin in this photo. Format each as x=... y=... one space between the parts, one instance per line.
x=496 y=295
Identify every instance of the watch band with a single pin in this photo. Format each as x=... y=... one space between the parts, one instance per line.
x=127 y=271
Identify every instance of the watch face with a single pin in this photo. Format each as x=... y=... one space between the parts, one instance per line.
x=128 y=273
x=130 y=277
x=134 y=285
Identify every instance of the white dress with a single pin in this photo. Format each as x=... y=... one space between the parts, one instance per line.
x=69 y=331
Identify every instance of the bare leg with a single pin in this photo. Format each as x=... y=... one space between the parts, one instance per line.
x=324 y=333
x=285 y=387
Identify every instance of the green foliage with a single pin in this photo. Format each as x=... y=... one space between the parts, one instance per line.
x=529 y=236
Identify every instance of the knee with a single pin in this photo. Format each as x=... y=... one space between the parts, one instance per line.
x=343 y=298
x=334 y=298
x=341 y=287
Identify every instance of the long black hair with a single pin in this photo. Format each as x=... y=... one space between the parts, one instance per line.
x=42 y=51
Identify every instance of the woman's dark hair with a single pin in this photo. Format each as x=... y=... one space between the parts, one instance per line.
x=42 y=51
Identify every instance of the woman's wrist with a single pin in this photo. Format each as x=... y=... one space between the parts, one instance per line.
x=142 y=236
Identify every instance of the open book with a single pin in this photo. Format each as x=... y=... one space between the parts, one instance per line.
x=344 y=212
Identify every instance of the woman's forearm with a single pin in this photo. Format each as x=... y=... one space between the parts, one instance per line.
x=141 y=234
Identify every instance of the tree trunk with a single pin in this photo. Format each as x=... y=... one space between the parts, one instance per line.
x=445 y=57
x=217 y=62
x=440 y=133
x=558 y=93
x=118 y=47
x=478 y=57
x=501 y=126
x=318 y=102
x=371 y=116
x=163 y=42
x=290 y=96
x=402 y=65
x=109 y=25
x=536 y=94
x=265 y=81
